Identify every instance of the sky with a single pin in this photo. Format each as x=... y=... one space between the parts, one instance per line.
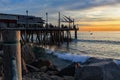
x=98 y=15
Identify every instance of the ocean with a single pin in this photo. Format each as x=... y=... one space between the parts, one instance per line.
x=100 y=44
x=103 y=44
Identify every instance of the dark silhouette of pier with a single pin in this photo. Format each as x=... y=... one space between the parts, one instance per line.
x=33 y=29
x=21 y=29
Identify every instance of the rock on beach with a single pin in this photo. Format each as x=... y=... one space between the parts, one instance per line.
x=98 y=69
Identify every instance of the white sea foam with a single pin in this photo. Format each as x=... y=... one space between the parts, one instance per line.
x=49 y=51
x=117 y=62
x=69 y=56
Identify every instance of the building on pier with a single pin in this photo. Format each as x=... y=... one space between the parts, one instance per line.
x=21 y=20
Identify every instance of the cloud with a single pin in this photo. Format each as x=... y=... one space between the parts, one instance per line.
x=83 y=4
x=55 y=5
x=80 y=9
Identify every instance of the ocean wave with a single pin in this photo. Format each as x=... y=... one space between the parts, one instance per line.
x=99 y=41
x=69 y=56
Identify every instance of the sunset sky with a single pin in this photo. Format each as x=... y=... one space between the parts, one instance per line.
x=88 y=14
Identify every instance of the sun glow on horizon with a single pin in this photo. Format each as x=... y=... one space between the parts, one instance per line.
x=104 y=18
x=110 y=28
x=100 y=26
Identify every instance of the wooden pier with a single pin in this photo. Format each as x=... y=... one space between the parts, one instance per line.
x=16 y=31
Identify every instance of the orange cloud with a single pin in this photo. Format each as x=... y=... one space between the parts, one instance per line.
x=100 y=26
x=110 y=28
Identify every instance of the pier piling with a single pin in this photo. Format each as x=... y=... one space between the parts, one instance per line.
x=12 y=55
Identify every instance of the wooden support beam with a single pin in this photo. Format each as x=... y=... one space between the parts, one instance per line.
x=12 y=55
x=67 y=38
x=75 y=33
x=32 y=32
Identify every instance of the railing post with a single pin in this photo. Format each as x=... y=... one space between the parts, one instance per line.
x=12 y=55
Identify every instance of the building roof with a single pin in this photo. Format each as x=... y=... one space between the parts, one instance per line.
x=21 y=18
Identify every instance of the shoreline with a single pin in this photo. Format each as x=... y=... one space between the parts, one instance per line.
x=65 y=65
x=103 y=67
x=66 y=56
